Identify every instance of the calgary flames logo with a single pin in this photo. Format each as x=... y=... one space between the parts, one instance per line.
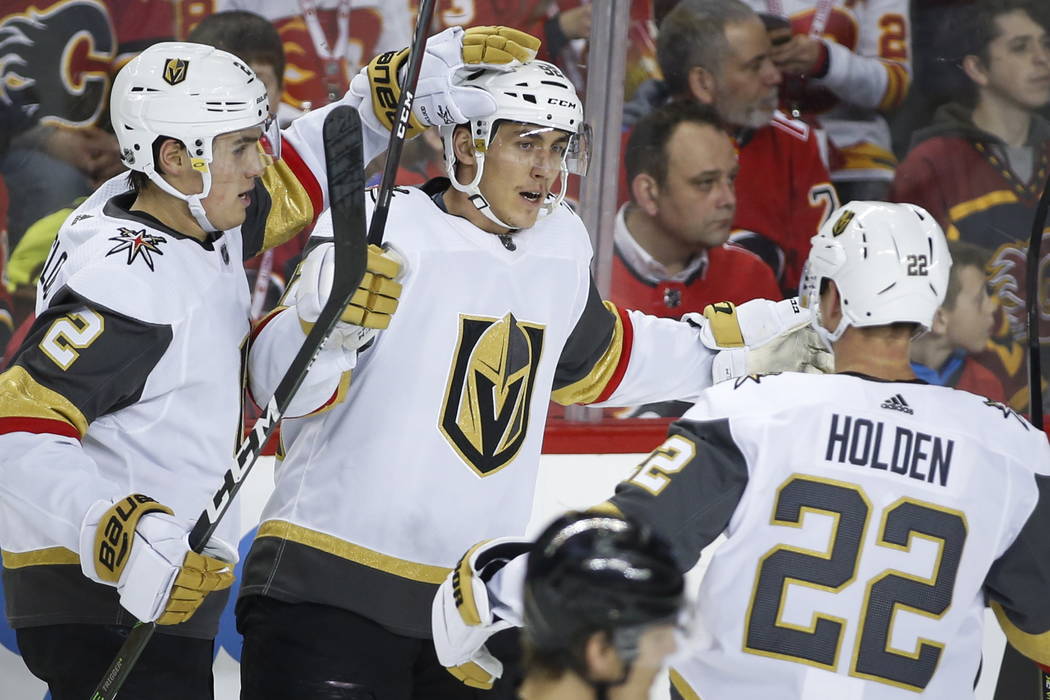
x=486 y=410
x=1007 y=274
x=55 y=62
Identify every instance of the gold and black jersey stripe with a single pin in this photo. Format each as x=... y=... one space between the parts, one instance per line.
x=78 y=362
x=595 y=355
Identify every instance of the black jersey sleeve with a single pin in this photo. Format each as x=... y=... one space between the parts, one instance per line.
x=1018 y=582
x=593 y=358
x=78 y=362
x=689 y=487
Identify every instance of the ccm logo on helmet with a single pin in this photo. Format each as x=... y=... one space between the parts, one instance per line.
x=561 y=103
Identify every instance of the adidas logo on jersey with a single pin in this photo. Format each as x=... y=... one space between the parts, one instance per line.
x=897 y=403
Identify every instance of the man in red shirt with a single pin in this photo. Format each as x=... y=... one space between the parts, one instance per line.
x=717 y=52
x=671 y=251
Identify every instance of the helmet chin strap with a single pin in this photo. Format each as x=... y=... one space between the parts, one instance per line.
x=473 y=190
x=828 y=338
x=192 y=200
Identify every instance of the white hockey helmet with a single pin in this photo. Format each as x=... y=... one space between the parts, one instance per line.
x=890 y=263
x=537 y=93
x=188 y=92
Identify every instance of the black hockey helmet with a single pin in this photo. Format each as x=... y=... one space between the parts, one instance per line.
x=590 y=572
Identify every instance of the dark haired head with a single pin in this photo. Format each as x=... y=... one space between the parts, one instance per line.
x=248 y=36
x=693 y=34
x=647 y=146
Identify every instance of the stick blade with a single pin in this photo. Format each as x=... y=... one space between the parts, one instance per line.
x=344 y=156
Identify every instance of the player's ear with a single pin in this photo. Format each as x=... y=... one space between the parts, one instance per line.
x=172 y=158
x=463 y=146
x=603 y=663
x=975 y=70
x=702 y=84
x=830 y=306
x=644 y=191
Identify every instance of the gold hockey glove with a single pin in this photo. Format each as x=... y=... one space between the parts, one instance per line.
x=462 y=619
x=760 y=337
x=437 y=101
x=371 y=306
x=137 y=546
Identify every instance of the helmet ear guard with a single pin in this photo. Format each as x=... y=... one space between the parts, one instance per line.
x=534 y=93
x=191 y=93
x=890 y=263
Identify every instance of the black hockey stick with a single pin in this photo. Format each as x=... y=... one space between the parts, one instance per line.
x=343 y=157
x=1035 y=374
x=1013 y=661
x=401 y=117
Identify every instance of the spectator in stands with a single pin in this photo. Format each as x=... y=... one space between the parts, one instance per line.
x=671 y=255
x=718 y=52
x=845 y=64
x=981 y=166
x=58 y=60
x=559 y=23
x=250 y=37
x=961 y=327
x=327 y=42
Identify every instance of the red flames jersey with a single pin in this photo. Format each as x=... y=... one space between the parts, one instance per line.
x=783 y=192
x=374 y=26
x=976 y=198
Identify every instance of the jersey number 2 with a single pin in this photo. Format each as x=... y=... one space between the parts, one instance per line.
x=70 y=333
x=835 y=569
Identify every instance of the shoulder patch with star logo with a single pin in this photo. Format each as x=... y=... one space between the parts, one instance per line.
x=137 y=244
x=756 y=378
x=1007 y=412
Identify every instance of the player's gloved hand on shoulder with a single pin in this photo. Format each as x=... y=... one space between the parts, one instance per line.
x=461 y=617
x=138 y=546
x=759 y=337
x=437 y=101
x=371 y=306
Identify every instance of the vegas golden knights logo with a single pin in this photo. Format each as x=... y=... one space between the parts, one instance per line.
x=486 y=409
x=175 y=70
x=842 y=222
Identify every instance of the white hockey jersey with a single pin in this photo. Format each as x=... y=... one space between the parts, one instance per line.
x=867 y=524
x=130 y=380
x=868 y=72
x=436 y=445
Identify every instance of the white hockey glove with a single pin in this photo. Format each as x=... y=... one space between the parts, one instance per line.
x=136 y=545
x=437 y=101
x=759 y=337
x=371 y=306
x=461 y=617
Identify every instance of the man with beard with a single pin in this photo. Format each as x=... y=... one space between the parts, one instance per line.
x=717 y=52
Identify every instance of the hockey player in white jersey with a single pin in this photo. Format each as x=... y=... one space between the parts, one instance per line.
x=433 y=442
x=869 y=517
x=130 y=381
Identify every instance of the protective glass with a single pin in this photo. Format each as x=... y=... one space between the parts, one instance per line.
x=578 y=156
x=271 y=138
x=575 y=154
